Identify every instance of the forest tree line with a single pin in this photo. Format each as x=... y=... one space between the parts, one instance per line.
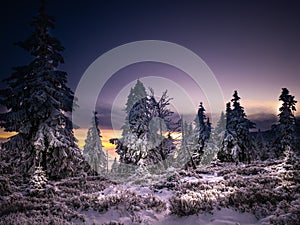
x=39 y=103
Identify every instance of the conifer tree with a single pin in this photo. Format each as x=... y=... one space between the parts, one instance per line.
x=224 y=153
x=203 y=131
x=237 y=144
x=221 y=124
x=92 y=149
x=143 y=142
x=38 y=103
x=137 y=93
x=219 y=130
x=285 y=130
x=184 y=157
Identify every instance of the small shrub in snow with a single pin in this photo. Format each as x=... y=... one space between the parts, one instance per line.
x=127 y=200
x=250 y=170
x=38 y=182
x=113 y=223
x=191 y=203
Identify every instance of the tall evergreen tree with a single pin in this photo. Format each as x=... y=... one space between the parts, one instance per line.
x=38 y=103
x=92 y=149
x=221 y=124
x=285 y=130
x=143 y=142
x=203 y=131
x=182 y=154
x=224 y=153
x=137 y=93
x=237 y=144
x=149 y=120
x=219 y=134
x=219 y=130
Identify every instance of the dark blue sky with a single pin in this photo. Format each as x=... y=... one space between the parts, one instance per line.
x=252 y=46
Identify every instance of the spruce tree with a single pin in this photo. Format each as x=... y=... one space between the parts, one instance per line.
x=184 y=156
x=237 y=141
x=202 y=126
x=242 y=128
x=285 y=130
x=224 y=153
x=136 y=93
x=221 y=124
x=143 y=140
x=92 y=149
x=38 y=103
x=202 y=131
x=149 y=119
x=219 y=130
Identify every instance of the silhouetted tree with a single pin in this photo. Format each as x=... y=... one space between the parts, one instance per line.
x=285 y=130
x=39 y=104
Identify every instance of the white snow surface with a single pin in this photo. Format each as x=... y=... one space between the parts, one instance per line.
x=223 y=216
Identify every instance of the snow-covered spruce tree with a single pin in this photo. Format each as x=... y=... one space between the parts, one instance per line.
x=224 y=153
x=38 y=103
x=135 y=143
x=149 y=120
x=144 y=143
x=184 y=156
x=284 y=131
x=219 y=131
x=237 y=139
x=92 y=150
x=211 y=145
x=136 y=93
x=203 y=128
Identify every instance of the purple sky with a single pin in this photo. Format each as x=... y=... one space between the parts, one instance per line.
x=251 y=46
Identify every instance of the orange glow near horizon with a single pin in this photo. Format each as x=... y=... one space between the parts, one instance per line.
x=251 y=107
x=272 y=107
x=106 y=134
x=256 y=107
x=5 y=135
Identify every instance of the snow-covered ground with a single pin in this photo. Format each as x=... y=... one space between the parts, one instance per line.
x=223 y=216
x=220 y=216
x=220 y=194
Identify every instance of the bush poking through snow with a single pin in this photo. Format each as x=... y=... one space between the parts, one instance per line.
x=191 y=203
x=38 y=182
x=113 y=223
x=128 y=201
